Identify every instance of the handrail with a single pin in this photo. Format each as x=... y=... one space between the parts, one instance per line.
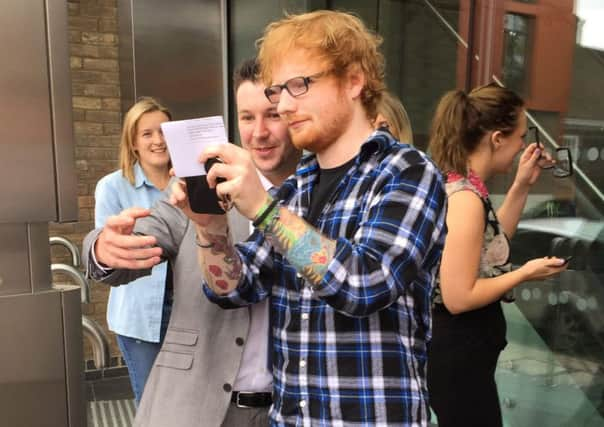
x=554 y=144
x=71 y=247
x=543 y=132
x=77 y=277
x=99 y=341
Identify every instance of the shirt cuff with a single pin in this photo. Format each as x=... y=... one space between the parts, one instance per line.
x=99 y=271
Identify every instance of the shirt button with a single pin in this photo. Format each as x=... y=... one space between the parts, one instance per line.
x=227 y=387
x=302 y=404
x=239 y=341
x=302 y=363
x=304 y=316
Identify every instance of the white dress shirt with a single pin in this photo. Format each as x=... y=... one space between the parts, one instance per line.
x=253 y=375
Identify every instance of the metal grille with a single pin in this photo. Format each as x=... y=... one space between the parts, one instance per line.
x=111 y=413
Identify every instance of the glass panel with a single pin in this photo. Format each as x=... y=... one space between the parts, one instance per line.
x=246 y=22
x=552 y=371
x=421 y=55
x=516 y=47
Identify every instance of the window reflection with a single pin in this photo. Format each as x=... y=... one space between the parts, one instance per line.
x=517 y=44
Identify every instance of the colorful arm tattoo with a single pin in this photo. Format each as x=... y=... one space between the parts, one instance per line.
x=303 y=246
x=219 y=262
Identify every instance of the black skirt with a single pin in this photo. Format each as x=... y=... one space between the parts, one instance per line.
x=462 y=358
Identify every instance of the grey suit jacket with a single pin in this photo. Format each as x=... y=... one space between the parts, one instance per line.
x=191 y=380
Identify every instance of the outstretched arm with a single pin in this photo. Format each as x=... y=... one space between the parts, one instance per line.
x=117 y=247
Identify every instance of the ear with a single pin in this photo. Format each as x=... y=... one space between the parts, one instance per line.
x=356 y=81
x=496 y=139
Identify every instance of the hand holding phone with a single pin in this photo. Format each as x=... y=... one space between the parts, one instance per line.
x=211 y=162
x=202 y=198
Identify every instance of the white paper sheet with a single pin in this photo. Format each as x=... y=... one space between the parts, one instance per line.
x=186 y=139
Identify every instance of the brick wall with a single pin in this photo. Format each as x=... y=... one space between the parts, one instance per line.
x=93 y=43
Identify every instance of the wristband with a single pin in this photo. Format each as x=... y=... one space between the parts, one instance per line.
x=262 y=216
x=200 y=245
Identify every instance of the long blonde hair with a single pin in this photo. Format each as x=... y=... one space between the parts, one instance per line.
x=128 y=155
x=461 y=120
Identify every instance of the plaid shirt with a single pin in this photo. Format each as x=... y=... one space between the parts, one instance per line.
x=352 y=350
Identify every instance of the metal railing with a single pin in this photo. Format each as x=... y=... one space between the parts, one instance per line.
x=578 y=171
x=100 y=343
x=91 y=330
x=73 y=250
x=77 y=276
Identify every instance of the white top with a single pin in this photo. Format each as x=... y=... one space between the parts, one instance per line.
x=253 y=375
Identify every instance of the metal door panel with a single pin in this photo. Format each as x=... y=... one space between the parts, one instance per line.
x=27 y=180
x=173 y=52
x=14 y=265
x=32 y=384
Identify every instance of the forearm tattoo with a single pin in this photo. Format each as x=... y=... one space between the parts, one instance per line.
x=303 y=246
x=219 y=262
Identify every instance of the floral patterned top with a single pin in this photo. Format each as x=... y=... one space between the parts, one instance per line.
x=495 y=252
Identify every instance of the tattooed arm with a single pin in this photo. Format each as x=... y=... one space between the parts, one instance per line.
x=392 y=251
x=218 y=259
x=304 y=247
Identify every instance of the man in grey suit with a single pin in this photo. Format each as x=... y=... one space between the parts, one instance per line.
x=212 y=368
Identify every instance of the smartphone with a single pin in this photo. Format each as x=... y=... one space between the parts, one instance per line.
x=567 y=259
x=202 y=198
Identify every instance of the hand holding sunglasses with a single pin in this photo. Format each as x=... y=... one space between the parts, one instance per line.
x=561 y=164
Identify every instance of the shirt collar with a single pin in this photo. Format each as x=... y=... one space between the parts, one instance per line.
x=378 y=141
x=139 y=176
x=264 y=181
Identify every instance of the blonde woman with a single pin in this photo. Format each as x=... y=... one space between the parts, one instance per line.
x=139 y=312
x=392 y=115
x=474 y=137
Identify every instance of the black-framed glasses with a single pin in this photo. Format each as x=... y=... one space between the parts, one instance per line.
x=295 y=86
x=563 y=165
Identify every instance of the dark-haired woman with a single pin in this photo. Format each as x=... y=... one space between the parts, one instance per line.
x=474 y=137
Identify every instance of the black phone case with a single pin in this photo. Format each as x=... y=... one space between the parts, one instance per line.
x=202 y=198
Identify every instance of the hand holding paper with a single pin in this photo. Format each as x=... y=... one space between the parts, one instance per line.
x=187 y=140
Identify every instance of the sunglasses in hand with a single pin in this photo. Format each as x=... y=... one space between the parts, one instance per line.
x=561 y=164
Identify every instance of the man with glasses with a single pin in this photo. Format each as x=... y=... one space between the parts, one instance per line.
x=348 y=249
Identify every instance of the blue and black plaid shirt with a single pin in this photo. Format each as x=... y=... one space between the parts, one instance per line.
x=352 y=350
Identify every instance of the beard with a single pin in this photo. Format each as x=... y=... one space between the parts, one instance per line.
x=317 y=135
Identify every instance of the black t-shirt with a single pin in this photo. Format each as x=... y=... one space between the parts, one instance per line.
x=327 y=181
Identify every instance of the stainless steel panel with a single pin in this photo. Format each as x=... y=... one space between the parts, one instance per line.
x=14 y=260
x=73 y=346
x=178 y=55
x=32 y=378
x=60 y=88
x=39 y=256
x=27 y=179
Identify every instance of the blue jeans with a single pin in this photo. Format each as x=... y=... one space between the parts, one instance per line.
x=139 y=355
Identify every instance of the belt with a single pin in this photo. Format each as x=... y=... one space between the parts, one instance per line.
x=245 y=399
